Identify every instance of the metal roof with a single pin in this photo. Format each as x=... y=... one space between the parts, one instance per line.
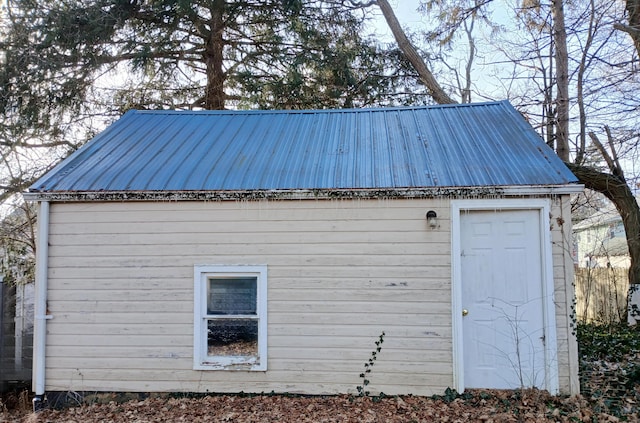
x=466 y=145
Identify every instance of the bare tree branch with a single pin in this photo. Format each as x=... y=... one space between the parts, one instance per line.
x=412 y=55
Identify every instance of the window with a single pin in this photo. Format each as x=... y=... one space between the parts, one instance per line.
x=230 y=318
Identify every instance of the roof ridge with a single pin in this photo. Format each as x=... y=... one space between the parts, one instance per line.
x=313 y=111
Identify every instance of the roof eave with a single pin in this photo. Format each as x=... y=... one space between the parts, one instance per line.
x=304 y=194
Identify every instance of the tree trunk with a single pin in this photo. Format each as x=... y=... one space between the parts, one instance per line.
x=633 y=28
x=633 y=8
x=214 y=45
x=548 y=105
x=618 y=191
x=562 y=80
x=410 y=52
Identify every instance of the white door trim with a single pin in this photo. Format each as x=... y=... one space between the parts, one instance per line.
x=550 y=356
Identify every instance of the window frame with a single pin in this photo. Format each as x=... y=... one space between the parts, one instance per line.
x=201 y=359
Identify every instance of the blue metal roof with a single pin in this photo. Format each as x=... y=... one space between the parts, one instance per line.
x=466 y=145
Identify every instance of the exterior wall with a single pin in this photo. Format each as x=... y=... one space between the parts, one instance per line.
x=560 y=224
x=592 y=245
x=339 y=273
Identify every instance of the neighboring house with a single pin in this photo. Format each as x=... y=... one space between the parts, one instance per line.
x=16 y=335
x=16 y=301
x=259 y=251
x=600 y=240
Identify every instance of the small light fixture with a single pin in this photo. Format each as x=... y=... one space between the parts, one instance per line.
x=432 y=219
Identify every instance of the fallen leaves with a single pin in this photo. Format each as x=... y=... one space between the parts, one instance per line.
x=475 y=406
x=611 y=393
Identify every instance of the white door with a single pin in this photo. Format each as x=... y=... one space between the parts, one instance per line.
x=501 y=283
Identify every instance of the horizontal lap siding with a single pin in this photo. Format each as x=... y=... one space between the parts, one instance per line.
x=564 y=295
x=339 y=273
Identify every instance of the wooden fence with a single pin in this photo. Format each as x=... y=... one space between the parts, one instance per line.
x=601 y=294
x=16 y=334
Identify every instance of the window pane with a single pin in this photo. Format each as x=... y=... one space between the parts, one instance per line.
x=232 y=337
x=232 y=296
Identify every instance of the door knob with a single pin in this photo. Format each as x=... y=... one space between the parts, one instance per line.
x=465 y=311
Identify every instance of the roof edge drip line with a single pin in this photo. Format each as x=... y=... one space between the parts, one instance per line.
x=305 y=194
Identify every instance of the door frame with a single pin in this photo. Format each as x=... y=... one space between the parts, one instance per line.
x=543 y=206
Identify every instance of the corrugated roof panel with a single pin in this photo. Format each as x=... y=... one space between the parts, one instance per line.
x=163 y=171
x=469 y=130
x=215 y=140
x=444 y=162
x=318 y=150
x=297 y=155
x=414 y=155
x=344 y=162
x=170 y=175
x=395 y=140
x=469 y=145
x=123 y=166
x=234 y=162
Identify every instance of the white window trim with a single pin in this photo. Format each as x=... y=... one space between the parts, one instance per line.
x=201 y=361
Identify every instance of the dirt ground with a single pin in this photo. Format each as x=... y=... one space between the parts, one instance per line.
x=473 y=406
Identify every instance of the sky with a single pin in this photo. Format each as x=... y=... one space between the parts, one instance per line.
x=406 y=12
x=487 y=60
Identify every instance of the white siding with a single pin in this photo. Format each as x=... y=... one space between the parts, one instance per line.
x=339 y=273
x=564 y=295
